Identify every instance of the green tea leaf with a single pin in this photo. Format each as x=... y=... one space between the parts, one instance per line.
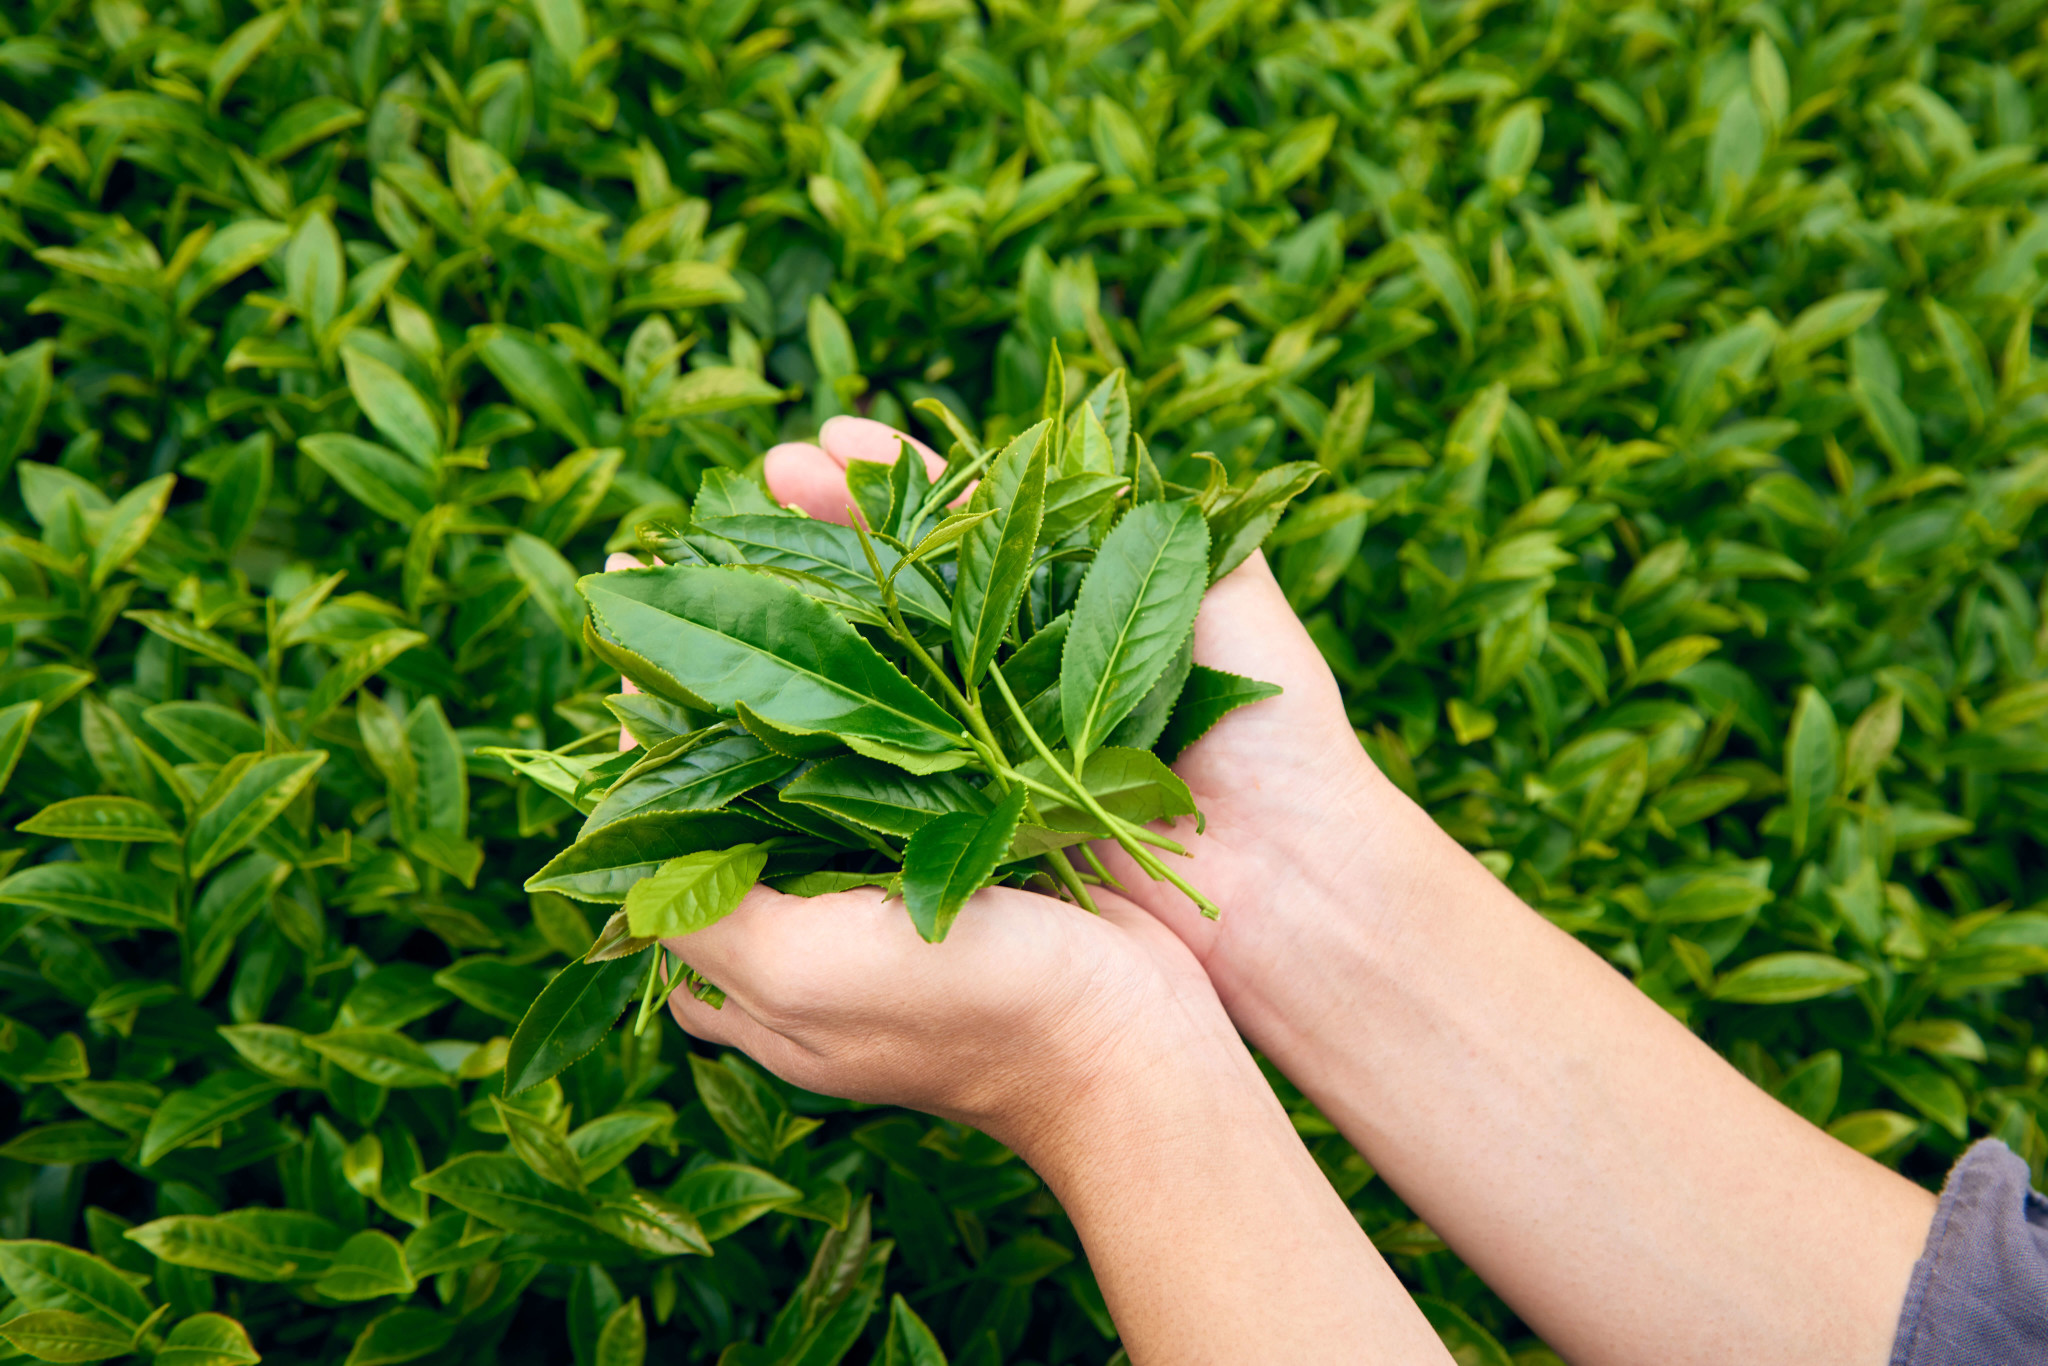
x=623 y=1339
x=276 y=1051
x=213 y=1244
x=59 y=1335
x=120 y=819
x=568 y=1019
x=604 y=865
x=1812 y=763
x=45 y=1275
x=393 y=407
x=728 y=637
x=725 y=1197
x=368 y=1266
x=1779 y=978
x=492 y=985
x=909 y=1343
x=66 y=1144
x=92 y=894
x=1136 y=607
x=504 y=1192
x=378 y=477
x=538 y=381
x=827 y=551
x=608 y=1140
x=1208 y=696
x=881 y=796
x=236 y=811
x=1131 y=784
x=402 y=1334
x=208 y=1340
x=382 y=1057
x=692 y=892
x=995 y=558
x=699 y=779
x=221 y=1098
x=951 y=857
x=128 y=527
x=16 y=721
x=1242 y=525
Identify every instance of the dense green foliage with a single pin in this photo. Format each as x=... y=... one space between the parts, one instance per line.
x=1673 y=369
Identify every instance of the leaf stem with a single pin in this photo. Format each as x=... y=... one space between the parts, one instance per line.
x=654 y=966
x=1108 y=878
x=1132 y=837
x=1119 y=828
x=900 y=630
x=1075 y=791
x=983 y=739
x=1067 y=874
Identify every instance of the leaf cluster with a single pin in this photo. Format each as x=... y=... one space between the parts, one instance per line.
x=862 y=704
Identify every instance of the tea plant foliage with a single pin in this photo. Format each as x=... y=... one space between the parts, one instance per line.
x=1670 y=371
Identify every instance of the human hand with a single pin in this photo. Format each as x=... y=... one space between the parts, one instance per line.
x=1093 y=1045
x=1097 y=1047
x=1287 y=792
x=1028 y=998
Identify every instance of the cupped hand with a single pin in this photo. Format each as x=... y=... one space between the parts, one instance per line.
x=1288 y=794
x=1028 y=1001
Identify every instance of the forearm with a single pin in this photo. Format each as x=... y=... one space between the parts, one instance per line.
x=1631 y=1195
x=1212 y=1232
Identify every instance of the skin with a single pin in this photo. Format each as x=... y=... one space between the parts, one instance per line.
x=1246 y=1252
x=1628 y=1193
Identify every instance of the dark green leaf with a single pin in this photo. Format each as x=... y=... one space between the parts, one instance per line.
x=728 y=637
x=188 y=1114
x=94 y=894
x=45 y=1275
x=882 y=796
x=506 y=1193
x=242 y=802
x=725 y=1197
x=568 y=1019
x=605 y=864
x=699 y=779
x=62 y=1336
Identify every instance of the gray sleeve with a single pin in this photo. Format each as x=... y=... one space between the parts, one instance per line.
x=1979 y=1295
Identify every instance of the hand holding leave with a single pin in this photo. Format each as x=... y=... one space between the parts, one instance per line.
x=1028 y=997
x=1283 y=783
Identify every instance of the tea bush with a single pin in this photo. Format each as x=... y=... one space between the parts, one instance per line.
x=1673 y=369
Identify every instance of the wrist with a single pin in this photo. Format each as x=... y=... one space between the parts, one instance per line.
x=1156 y=1081
x=1335 y=897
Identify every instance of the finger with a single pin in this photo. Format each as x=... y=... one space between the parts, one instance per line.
x=862 y=438
x=803 y=476
x=730 y=1026
x=780 y=954
x=700 y=1020
x=734 y=951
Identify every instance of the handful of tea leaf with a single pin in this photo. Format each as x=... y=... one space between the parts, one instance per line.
x=929 y=701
